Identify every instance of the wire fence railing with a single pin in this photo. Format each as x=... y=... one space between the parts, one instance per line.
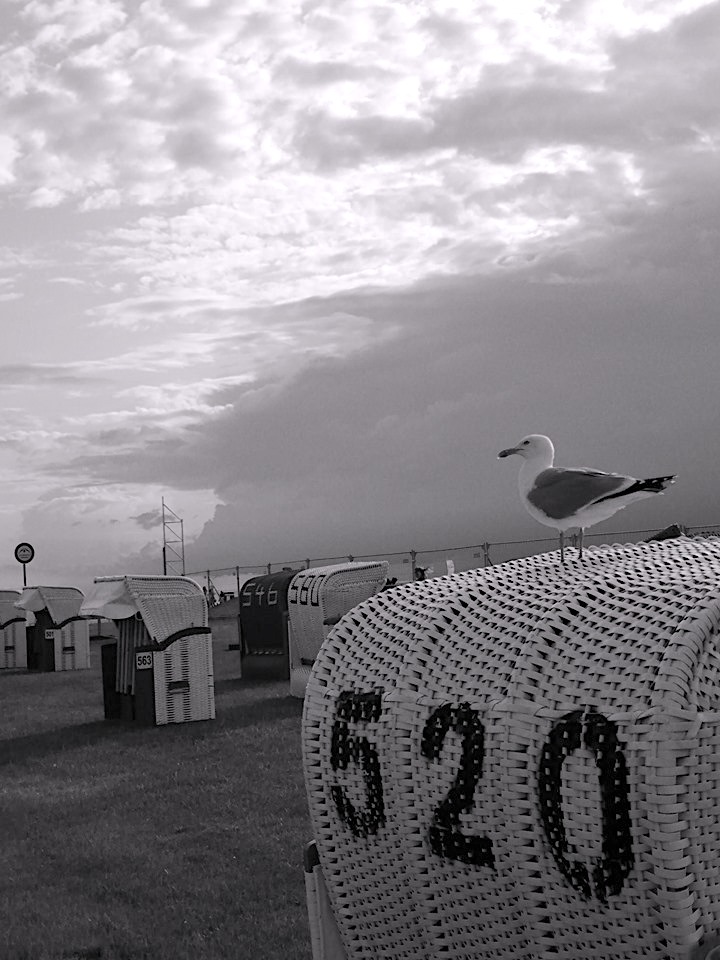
x=225 y=583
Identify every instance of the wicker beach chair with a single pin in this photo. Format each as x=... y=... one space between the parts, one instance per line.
x=317 y=599
x=58 y=637
x=13 y=642
x=522 y=762
x=162 y=629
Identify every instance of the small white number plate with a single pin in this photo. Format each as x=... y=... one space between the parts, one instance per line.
x=143 y=661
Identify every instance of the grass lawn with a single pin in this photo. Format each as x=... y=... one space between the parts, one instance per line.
x=181 y=842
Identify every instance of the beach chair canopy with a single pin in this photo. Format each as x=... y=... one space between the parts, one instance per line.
x=61 y=603
x=170 y=607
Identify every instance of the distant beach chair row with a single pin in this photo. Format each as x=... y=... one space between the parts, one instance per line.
x=157 y=662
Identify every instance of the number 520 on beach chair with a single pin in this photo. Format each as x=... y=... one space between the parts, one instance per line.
x=522 y=762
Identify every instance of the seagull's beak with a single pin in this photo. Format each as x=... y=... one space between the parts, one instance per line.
x=507 y=453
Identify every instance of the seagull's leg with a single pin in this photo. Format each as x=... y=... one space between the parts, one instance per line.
x=562 y=546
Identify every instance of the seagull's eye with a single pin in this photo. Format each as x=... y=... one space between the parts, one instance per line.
x=525 y=442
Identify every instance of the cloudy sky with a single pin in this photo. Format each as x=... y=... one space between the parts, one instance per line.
x=303 y=268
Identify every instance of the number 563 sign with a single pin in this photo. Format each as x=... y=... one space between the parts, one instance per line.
x=358 y=787
x=143 y=661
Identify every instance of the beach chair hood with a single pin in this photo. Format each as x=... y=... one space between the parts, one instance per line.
x=170 y=607
x=62 y=603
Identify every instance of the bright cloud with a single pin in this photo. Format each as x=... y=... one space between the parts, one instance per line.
x=214 y=211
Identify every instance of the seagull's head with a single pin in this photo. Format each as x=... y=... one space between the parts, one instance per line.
x=533 y=447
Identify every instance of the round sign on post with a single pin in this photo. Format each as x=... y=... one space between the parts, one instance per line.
x=24 y=552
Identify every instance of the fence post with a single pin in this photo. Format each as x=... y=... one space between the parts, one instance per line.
x=307 y=563
x=413 y=558
x=269 y=568
x=237 y=618
x=487 y=562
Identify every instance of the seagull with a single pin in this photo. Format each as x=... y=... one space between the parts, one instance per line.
x=565 y=498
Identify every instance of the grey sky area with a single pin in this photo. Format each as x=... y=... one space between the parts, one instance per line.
x=305 y=276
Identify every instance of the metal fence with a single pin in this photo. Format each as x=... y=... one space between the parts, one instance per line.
x=223 y=583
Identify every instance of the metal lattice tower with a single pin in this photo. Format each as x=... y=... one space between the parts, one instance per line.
x=173 y=542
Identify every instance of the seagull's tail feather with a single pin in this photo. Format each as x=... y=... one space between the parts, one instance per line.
x=641 y=488
x=655 y=484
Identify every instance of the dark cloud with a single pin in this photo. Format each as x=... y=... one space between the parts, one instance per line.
x=149 y=520
x=398 y=441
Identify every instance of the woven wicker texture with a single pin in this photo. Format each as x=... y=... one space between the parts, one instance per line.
x=183 y=680
x=520 y=762
x=317 y=599
x=13 y=644
x=166 y=604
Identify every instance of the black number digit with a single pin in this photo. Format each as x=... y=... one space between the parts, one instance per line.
x=444 y=835
x=599 y=735
x=346 y=748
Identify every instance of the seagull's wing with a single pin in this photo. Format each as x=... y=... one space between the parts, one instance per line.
x=561 y=493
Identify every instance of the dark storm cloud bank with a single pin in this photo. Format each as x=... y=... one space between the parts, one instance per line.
x=396 y=445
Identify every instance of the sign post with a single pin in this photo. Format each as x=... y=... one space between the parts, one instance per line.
x=24 y=552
